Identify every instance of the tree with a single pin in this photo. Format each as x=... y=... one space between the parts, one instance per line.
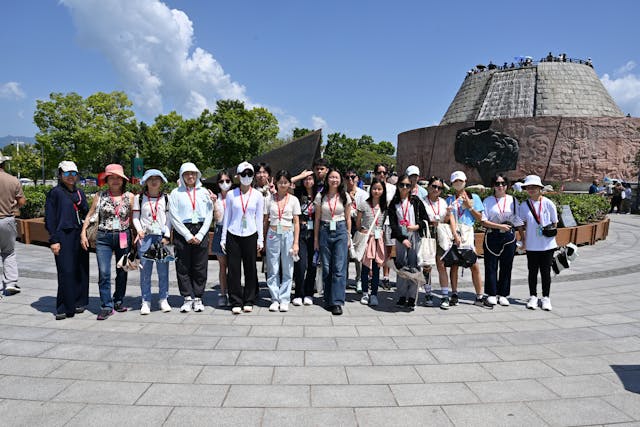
x=24 y=161
x=360 y=154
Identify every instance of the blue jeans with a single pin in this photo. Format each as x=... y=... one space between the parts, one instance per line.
x=278 y=247
x=334 y=251
x=375 y=279
x=108 y=242
x=146 y=265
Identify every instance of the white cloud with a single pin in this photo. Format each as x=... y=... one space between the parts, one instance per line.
x=625 y=89
x=11 y=90
x=318 y=122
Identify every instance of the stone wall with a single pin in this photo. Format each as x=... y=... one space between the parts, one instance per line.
x=573 y=149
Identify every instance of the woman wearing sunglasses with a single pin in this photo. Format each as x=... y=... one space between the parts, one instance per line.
x=242 y=239
x=223 y=180
x=500 y=241
x=65 y=209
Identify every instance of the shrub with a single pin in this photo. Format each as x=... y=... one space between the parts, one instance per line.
x=36 y=199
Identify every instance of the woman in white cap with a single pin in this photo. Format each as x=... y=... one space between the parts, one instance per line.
x=65 y=209
x=151 y=219
x=114 y=208
x=191 y=210
x=538 y=212
x=242 y=239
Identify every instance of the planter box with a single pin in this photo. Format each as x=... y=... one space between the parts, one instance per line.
x=602 y=229
x=584 y=234
x=565 y=236
x=479 y=243
x=20 y=229
x=35 y=231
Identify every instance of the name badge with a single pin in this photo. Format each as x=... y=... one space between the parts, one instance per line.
x=332 y=225
x=279 y=229
x=437 y=218
x=78 y=218
x=377 y=233
x=310 y=224
x=155 y=228
x=195 y=218
x=404 y=229
x=115 y=225
x=244 y=222
x=539 y=230
x=123 y=240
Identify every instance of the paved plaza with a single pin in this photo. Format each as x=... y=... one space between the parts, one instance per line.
x=576 y=365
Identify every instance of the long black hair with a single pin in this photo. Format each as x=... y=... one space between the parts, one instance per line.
x=301 y=192
x=494 y=179
x=396 y=197
x=341 y=190
x=219 y=176
x=383 y=196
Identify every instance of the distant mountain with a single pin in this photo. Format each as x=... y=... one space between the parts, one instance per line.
x=6 y=140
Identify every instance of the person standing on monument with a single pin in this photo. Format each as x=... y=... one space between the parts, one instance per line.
x=11 y=199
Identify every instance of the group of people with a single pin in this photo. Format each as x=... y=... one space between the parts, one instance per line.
x=302 y=226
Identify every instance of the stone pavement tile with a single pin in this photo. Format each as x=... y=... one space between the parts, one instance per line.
x=404 y=319
x=307 y=321
x=10 y=332
x=175 y=329
x=183 y=395
x=617 y=331
x=478 y=340
x=383 y=375
x=463 y=355
x=139 y=355
x=235 y=375
x=428 y=330
x=422 y=342
x=351 y=396
x=247 y=343
x=103 y=392
x=23 y=348
x=532 y=325
x=133 y=327
x=308 y=417
x=77 y=352
x=307 y=344
x=525 y=314
x=574 y=311
x=272 y=319
x=224 y=417
x=77 y=323
x=580 y=348
x=629 y=358
x=14 y=387
x=624 y=344
x=493 y=414
x=276 y=331
x=310 y=375
x=524 y=352
x=582 y=386
x=629 y=403
x=187 y=342
x=432 y=394
x=28 y=366
x=213 y=319
x=487 y=327
x=384 y=331
x=337 y=358
x=581 y=411
x=457 y=372
x=285 y=396
x=223 y=331
x=511 y=391
x=25 y=320
x=366 y=343
x=99 y=371
x=356 y=321
x=205 y=357
x=330 y=331
x=611 y=319
x=524 y=369
x=572 y=322
x=498 y=314
x=450 y=317
x=406 y=416
x=401 y=357
x=270 y=358
x=110 y=415
x=580 y=365
x=27 y=413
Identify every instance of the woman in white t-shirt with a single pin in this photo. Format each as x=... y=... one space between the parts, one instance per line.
x=224 y=182
x=282 y=224
x=538 y=212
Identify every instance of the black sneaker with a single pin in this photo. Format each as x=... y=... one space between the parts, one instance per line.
x=444 y=303
x=454 y=299
x=411 y=303
x=120 y=307
x=428 y=300
x=61 y=316
x=401 y=301
x=385 y=284
x=80 y=310
x=105 y=313
x=479 y=301
x=12 y=290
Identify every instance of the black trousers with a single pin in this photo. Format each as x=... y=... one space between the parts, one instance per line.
x=242 y=249
x=191 y=263
x=497 y=269
x=72 y=263
x=540 y=261
x=304 y=273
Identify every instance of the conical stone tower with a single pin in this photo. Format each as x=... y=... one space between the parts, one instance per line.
x=552 y=118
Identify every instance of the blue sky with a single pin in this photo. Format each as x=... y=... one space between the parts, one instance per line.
x=359 y=67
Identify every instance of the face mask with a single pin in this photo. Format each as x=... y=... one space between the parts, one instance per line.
x=225 y=186
x=458 y=186
x=246 y=180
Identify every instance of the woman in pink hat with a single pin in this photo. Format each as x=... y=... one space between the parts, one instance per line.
x=114 y=211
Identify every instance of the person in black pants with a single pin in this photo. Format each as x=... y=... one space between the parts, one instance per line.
x=304 y=272
x=65 y=209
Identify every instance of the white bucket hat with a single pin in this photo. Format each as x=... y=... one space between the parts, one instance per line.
x=532 y=180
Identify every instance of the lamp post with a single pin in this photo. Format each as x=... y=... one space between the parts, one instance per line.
x=17 y=144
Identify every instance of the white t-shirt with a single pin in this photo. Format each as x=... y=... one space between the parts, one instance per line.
x=437 y=210
x=285 y=218
x=333 y=204
x=360 y=196
x=250 y=206
x=143 y=215
x=501 y=210
x=548 y=215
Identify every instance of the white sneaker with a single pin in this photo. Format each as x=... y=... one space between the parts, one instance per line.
x=274 y=306
x=164 y=306
x=284 y=306
x=364 y=300
x=533 y=302
x=247 y=308
x=546 y=303
x=503 y=301
x=145 y=309
x=297 y=302
x=197 y=305
x=236 y=310
x=307 y=301
x=187 y=305
x=492 y=300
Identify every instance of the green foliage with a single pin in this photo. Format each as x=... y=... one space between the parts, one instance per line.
x=25 y=160
x=36 y=200
x=586 y=208
x=361 y=154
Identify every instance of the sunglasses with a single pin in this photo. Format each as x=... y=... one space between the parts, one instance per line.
x=351 y=176
x=69 y=173
x=246 y=173
x=381 y=172
x=226 y=181
x=500 y=184
x=404 y=185
x=436 y=187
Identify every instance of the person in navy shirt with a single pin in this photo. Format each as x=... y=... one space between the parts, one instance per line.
x=65 y=209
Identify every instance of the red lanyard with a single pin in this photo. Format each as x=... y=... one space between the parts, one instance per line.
x=116 y=206
x=460 y=211
x=242 y=204
x=193 y=201
x=75 y=205
x=280 y=212
x=154 y=214
x=504 y=205
x=434 y=209
x=405 y=212
x=335 y=204
x=539 y=216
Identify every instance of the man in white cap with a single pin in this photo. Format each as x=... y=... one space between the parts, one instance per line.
x=414 y=175
x=11 y=198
